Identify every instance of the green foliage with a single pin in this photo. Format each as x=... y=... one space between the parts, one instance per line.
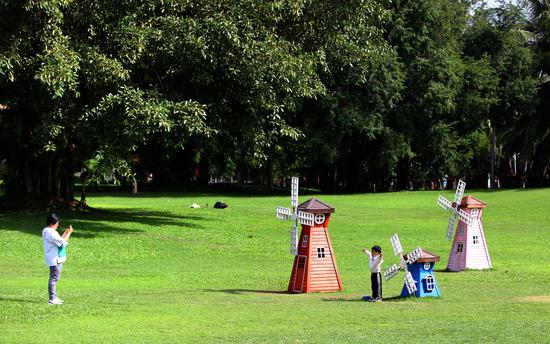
x=538 y=32
x=495 y=37
x=479 y=91
x=350 y=93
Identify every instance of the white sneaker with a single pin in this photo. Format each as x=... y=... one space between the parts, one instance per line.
x=55 y=301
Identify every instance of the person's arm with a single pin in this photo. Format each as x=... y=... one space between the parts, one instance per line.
x=67 y=233
x=367 y=252
x=57 y=239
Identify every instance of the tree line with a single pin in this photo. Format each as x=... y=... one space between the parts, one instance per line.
x=356 y=95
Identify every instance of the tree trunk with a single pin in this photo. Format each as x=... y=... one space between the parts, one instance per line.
x=36 y=180
x=134 y=186
x=493 y=155
x=328 y=179
x=204 y=170
x=269 y=174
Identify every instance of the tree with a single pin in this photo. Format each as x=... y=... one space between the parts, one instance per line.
x=533 y=137
x=427 y=36
x=495 y=36
x=537 y=31
x=98 y=80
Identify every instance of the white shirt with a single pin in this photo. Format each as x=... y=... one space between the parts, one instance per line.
x=52 y=242
x=375 y=262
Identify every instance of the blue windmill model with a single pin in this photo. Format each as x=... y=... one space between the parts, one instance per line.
x=419 y=271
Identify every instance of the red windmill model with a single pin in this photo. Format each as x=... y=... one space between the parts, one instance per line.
x=314 y=268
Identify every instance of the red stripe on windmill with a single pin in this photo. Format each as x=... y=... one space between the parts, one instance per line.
x=314 y=266
x=469 y=249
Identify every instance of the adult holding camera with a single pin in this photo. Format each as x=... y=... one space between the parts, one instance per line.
x=55 y=253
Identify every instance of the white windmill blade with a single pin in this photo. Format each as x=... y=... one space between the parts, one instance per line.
x=414 y=255
x=294 y=240
x=294 y=192
x=444 y=203
x=409 y=283
x=465 y=217
x=306 y=218
x=283 y=213
x=459 y=192
x=391 y=272
x=403 y=264
x=396 y=245
x=451 y=228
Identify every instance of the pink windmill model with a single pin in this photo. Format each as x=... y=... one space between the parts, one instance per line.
x=469 y=249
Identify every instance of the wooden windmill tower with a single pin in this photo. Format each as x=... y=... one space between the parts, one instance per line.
x=314 y=268
x=469 y=249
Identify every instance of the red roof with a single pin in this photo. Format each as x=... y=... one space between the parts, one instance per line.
x=471 y=202
x=315 y=206
x=426 y=257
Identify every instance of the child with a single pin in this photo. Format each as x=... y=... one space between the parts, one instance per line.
x=53 y=244
x=376 y=259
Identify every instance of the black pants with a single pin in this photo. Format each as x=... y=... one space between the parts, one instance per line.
x=376 y=285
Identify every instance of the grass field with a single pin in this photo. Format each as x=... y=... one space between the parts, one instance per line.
x=149 y=269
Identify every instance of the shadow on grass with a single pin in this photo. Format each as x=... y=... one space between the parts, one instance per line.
x=91 y=224
x=359 y=299
x=247 y=291
x=2 y=298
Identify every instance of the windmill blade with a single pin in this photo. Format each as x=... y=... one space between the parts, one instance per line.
x=294 y=192
x=403 y=263
x=464 y=217
x=306 y=218
x=396 y=245
x=294 y=240
x=459 y=192
x=283 y=213
x=391 y=272
x=414 y=255
x=409 y=283
x=451 y=228
x=444 y=203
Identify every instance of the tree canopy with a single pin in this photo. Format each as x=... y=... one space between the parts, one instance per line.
x=355 y=94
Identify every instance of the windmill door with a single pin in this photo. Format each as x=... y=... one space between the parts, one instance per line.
x=300 y=274
x=460 y=254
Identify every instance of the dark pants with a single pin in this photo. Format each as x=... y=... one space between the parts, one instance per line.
x=376 y=285
x=55 y=274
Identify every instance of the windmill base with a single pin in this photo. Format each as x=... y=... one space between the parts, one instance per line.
x=433 y=293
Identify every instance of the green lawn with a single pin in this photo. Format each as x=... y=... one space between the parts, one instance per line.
x=149 y=269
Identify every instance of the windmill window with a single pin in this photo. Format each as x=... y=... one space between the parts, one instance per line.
x=459 y=247
x=475 y=239
x=304 y=241
x=429 y=283
x=320 y=252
